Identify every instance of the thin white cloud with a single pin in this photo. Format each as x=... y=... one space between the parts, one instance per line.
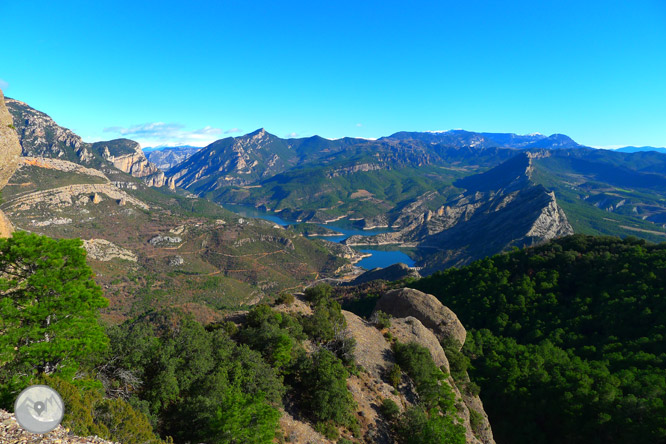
x=232 y=131
x=291 y=135
x=359 y=125
x=4 y=84
x=166 y=134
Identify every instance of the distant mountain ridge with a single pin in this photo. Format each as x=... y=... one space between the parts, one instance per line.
x=637 y=149
x=168 y=157
x=462 y=138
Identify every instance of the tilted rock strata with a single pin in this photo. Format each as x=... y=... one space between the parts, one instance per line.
x=80 y=194
x=61 y=165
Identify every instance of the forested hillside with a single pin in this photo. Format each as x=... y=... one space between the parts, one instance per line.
x=567 y=339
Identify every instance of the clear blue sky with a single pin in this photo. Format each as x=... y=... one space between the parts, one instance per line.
x=167 y=71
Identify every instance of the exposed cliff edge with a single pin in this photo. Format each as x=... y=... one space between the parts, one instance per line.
x=10 y=150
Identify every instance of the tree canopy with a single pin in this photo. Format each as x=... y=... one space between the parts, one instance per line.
x=49 y=308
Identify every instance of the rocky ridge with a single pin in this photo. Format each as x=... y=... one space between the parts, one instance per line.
x=40 y=136
x=70 y=195
x=500 y=208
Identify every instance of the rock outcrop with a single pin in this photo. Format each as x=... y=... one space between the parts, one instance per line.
x=39 y=136
x=104 y=251
x=410 y=329
x=79 y=195
x=10 y=150
x=405 y=302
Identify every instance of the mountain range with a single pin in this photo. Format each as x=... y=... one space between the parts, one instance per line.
x=452 y=197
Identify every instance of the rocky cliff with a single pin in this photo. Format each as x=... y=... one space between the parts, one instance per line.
x=127 y=156
x=10 y=150
x=40 y=136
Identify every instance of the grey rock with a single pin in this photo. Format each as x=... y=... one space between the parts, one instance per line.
x=405 y=302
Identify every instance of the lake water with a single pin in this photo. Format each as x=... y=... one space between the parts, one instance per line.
x=380 y=258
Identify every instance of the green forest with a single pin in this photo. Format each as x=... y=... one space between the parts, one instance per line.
x=566 y=340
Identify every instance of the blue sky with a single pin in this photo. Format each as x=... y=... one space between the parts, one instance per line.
x=196 y=71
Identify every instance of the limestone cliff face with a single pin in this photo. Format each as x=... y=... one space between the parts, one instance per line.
x=10 y=150
x=127 y=156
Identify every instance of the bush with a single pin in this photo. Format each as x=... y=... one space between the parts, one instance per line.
x=381 y=320
x=328 y=429
x=429 y=379
x=317 y=293
x=395 y=375
x=416 y=426
x=476 y=421
x=390 y=409
x=326 y=322
x=123 y=423
x=285 y=298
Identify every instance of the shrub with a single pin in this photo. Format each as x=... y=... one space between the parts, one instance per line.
x=285 y=298
x=395 y=375
x=416 y=426
x=317 y=293
x=381 y=320
x=328 y=429
x=389 y=409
